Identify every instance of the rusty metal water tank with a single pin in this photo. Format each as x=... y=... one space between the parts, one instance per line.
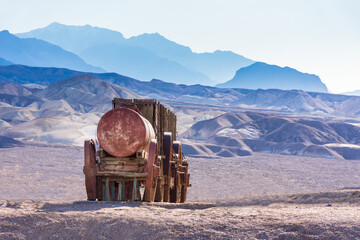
x=122 y=132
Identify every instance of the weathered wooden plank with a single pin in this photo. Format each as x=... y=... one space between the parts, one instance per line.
x=90 y=169
x=150 y=180
x=108 y=160
x=121 y=174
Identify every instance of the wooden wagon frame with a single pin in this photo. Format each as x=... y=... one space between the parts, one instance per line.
x=162 y=172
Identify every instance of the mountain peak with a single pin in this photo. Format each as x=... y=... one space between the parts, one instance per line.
x=85 y=92
x=151 y=36
x=82 y=79
x=6 y=35
x=35 y=52
x=4 y=32
x=57 y=25
x=54 y=24
x=146 y=56
x=266 y=76
x=86 y=77
x=74 y=38
x=4 y=62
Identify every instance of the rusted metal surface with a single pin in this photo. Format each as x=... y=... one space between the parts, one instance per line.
x=122 y=132
x=183 y=177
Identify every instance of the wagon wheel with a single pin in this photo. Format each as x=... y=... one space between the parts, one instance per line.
x=177 y=150
x=90 y=170
x=175 y=191
x=150 y=184
x=182 y=170
x=167 y=149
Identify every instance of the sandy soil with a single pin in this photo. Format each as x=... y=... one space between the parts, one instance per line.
x=328 y=215
x=54 y=173
x=249 y=197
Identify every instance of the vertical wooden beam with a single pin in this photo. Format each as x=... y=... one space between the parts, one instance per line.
x=121 y=191
x=167 y=149
x=112 y=191
x=149 y=184
x=107 y=193
x=134 y=191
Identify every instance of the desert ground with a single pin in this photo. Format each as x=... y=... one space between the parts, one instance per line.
x=262 y=196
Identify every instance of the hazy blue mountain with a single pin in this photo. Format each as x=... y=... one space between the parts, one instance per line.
x=161 y=46
x=163 y=55
x=140 y=63
x=74 y=38
x=4 y=62
x=34 y=52
x=354 y=93
x=20 y=74
x=265 y=76
x=218 y=65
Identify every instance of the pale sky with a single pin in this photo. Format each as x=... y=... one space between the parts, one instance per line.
x=314 y=36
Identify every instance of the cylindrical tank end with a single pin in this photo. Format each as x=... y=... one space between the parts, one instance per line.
x=122 y=132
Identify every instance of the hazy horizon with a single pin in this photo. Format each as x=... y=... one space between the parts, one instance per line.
x=318 y=37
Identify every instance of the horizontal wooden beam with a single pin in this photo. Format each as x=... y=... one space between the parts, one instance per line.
x=121 y=174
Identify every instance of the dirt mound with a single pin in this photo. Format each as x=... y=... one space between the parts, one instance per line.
x=297 y=132
x=7 y=142
x=349 y=132
x=348 y=151
x=260 y=132
x=320 y=151
x=229 y=142
x=14 y=89
x=196 y=149
x=324 y=215
x=207 y=128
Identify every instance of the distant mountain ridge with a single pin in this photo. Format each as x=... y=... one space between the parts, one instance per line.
x=296 y=101
x=152 y=56
x=265 y=76
x=35 y=52
x=74 y=38
x=92 y=44
x=141 y=63
x=70 y=107
x=4 y=62
x=354 y=93
x=85 y=93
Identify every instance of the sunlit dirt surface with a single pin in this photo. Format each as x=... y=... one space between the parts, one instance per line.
x=326 y=215
x=262 y=196
x=54 y=173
